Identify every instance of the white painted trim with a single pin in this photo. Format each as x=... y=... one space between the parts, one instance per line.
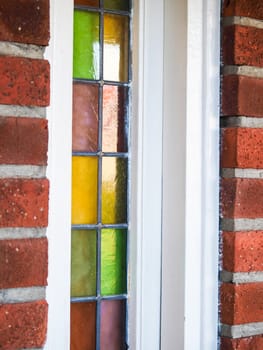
x=59 y=116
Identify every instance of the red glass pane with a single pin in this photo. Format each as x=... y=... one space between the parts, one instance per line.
x=85 y=118
x=113 y=315
x=114 y=137
x=93 y=3
x=83 y=325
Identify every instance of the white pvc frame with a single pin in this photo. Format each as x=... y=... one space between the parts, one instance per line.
x=174 y=209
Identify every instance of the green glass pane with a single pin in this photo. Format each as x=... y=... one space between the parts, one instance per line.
x=116 y=44
x=114 y=190
x=83 y=263
x=117 y=4
x=86 y=45
x=113 y=261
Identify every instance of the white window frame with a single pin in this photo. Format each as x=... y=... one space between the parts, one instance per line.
x=174 y=209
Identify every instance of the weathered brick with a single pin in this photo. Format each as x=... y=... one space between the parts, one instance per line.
x=242 y=148
x=23 y=141
x=243 y=46
x=242 y=198
x=23 y=325
x=23 y=202
x=243 y=251
x=249 y=343
x=251 y=8
x=241 y=303
x=24 y=81
x=242 y=95
x=24 y=21
x=23 y=263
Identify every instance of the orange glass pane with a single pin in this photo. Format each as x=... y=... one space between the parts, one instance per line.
x=85 y=118
x=93 y=3
x=84 y=190
x=116 y=42
x=82 y=326
x=115 y=129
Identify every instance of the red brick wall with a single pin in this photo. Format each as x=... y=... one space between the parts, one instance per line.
x=241 y=291
x=24 y=94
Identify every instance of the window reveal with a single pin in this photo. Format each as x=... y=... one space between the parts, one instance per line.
x=100 y=173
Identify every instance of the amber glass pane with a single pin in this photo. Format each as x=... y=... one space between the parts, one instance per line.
x=112 y=336
x=114 y=136
x=113 y=261
x=115 y=48
x=93 y=3
x=84 y=190
x=85 y=118
x=83 y=325
x=83 y=263
x=86 y=45
x=114 y=190
x=117 y=4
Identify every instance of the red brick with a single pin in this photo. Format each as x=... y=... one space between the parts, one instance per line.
x=24 y=21
x=23 y=263
x=243 y=46
x=243 y=251
x=242 y=198
x=23 y=202
x=23 y=141
x=24 y=81
x=250 y=343
x=251 y=8
x=23 y=325
x=241 y=303
x=242 y=148
x=242 y=95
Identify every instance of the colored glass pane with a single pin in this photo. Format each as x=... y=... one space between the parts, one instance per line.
x=113 y=261
x=84 y=190
x=113 y=315
x=83 y=263
x=85 y=118
x=116 y=42
x=117 y=4
x=86 y=45
x=92 y=3
x=114 y=190
x=114 y=134
x=83 y=326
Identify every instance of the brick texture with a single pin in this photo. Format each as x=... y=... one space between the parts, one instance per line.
x=242 y=148
x=23 y=263
x=23 y=141
x=24 y=81
x=23 y=325
x=246 y=8
x=243 y=251
x=23 y=202
x=243 y=46
x=249 y=343
x=241 y=303
x=24 y=21
x=242 y=95
x=242 y=198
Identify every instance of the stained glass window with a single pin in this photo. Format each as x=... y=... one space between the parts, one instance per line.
x=100 y=174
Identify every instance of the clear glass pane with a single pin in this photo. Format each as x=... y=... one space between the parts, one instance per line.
x=113 y=315
x=92 y=3
x=116 y=42
x=117 y=4
x=86 y=45
x=114 y=190
x=85 y=118
x=83 y=263
x=113 y=261
x=115 y=128
x=84 y=190
x=82 y=326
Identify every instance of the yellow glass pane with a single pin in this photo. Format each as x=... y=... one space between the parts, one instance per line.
x=116 y=43
x=84 y=190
